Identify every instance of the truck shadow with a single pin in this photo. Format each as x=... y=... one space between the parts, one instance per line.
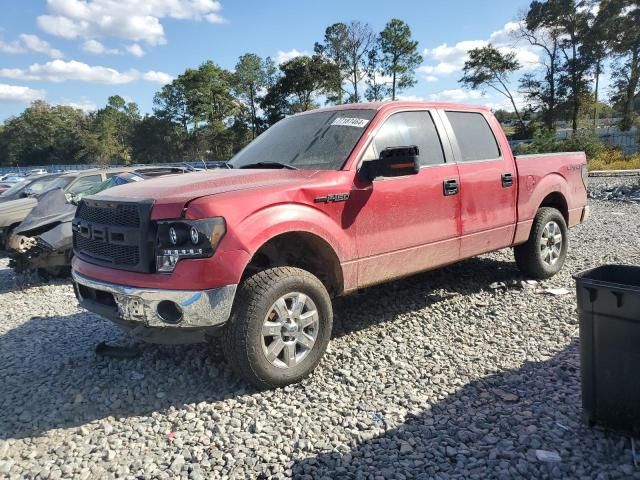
x=51 y=377
x=421 y=291
x=490 y=428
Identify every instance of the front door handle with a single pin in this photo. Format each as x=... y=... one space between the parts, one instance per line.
x=451 y=187
x=507 y=180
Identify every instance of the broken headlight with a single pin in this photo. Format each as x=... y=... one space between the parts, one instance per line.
x=181 y=239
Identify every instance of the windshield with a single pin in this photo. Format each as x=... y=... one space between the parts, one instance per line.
x=60 y=182
x=38 y=186
x=313 y=141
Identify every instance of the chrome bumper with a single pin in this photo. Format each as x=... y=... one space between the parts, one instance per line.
x=140 y=306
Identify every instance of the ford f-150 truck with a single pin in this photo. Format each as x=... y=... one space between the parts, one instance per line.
x=321 y=204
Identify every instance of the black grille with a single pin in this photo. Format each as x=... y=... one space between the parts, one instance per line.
x=118 y=254
x=123 y=215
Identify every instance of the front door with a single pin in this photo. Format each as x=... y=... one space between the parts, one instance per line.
x=407 y=224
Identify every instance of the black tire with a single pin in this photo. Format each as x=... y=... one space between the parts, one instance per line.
x=243 y=341
x=530 y=256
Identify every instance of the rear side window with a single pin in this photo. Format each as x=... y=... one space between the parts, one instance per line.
x=411 y=128
x=474 y=136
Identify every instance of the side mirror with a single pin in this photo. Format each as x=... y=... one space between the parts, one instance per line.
x=393 y=162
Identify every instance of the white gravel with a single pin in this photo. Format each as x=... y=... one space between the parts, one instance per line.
x=435 y=376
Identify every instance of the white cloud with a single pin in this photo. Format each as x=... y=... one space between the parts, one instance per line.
x=30 y=43
x=456 y=95
x=285 y=55
x=94 y=46
x=84 y=104
x=449 y=59
x=16 y=93
x=158 y=77
x=135 y=50
x=60 y=71
x=135 y=20
x=431 y=78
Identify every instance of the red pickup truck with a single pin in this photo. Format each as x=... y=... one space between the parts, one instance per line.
x=321 y=204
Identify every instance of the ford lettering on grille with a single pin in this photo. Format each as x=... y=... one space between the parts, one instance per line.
x=115 y=234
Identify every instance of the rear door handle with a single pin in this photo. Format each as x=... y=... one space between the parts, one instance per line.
x=451 y=187
x=507 y=180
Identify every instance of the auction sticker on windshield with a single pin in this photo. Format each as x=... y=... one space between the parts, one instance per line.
x=350 y=122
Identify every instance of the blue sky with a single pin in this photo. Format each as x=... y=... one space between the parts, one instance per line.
x=79 y=52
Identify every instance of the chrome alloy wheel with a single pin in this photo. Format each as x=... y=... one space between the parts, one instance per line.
x=551 y=243
x=289 y=330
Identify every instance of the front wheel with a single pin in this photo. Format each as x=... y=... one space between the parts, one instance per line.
x=279 y=328
x=544 y=253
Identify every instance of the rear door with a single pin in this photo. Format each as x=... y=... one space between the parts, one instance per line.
x=407 y=224
x=487 y=183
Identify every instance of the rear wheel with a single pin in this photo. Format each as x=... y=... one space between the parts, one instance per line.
x=544 y=253
x=280 y=327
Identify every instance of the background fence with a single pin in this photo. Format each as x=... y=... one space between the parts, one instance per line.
x=628 y=142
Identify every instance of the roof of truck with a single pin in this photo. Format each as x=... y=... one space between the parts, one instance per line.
x=402 y=104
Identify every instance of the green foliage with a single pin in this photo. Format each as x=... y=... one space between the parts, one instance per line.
x=546 y=141
x=42 y=135
x=400 y=55
x=249 y=78
x=488 y=67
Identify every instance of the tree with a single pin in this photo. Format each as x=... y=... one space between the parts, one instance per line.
x=400 y=55
x=200 y=101
x=249 y=79
x=42 y=135
x=334 y=49
x=359 y=43
x=303 y=78
x=377 y=89
x=487 y=66
x=621 y=19
x=572 y=21
x=156 y=139
x=543 y=93
x=108 y=139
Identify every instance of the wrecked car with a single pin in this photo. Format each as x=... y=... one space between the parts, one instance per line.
x=28 y=187
x=43 y=241
x=13 y=212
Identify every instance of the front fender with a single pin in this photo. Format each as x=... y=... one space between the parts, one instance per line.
x=261 y=226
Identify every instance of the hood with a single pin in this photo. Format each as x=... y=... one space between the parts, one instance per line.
x=7 y=209
x=52 y=208
x=177 y=190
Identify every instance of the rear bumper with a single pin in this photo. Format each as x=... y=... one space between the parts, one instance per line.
x=158 y=316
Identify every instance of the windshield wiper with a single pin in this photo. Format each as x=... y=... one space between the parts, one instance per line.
x=269 y=165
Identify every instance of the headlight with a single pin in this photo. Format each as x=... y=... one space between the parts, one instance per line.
x=180 y=239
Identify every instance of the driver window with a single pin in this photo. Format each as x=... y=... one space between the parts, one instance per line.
x=409 y=128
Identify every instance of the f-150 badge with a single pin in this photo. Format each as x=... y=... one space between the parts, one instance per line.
x=333 y=197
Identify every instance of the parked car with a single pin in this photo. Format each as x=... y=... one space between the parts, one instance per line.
x=36 y=171
x=5 y=186
x=4 y=176
x=43 y=241
x=321 y=204
x=31 y=186
x=13 y=212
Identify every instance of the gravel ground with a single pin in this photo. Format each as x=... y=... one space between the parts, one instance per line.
x=436 y=376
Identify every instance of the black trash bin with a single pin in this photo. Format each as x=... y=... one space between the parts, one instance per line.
x=609 y=313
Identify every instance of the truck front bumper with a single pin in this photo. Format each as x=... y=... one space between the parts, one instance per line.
x=157 y=316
